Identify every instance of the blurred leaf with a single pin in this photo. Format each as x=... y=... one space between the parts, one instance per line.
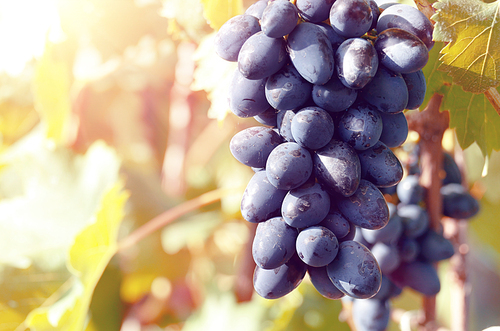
x=112 y=25
x=51 y=88
x=221 y=312
x=185 y=19
x=213 y=74
x=217 y=12
x=22 y=290
x=48 y=196
x=472 y=31
x=474 y=119
x=192 y=231
x=15 y=121
x=88 y=257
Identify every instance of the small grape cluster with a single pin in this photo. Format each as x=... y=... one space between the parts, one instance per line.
x=329 y=80
x=407 y=247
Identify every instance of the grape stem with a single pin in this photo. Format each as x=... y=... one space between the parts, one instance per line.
x=171 y=215
x=494 y=98
x=431 y=125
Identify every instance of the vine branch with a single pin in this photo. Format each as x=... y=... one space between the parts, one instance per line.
x=171 y=215
x=431 y=125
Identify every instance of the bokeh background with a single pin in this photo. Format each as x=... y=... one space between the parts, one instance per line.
x=112 y=112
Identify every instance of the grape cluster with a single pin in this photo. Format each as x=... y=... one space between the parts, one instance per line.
x=407 y=246
x=329 y=81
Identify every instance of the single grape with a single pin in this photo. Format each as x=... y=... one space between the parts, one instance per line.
x=273 y=243
x=261 y=200
x=305 y=206
x=457 y=202
x=351 y=18
x=276 y=283
x=366 y=208
x=420 y=276
x=394 y=129
x=401 y=51
x=337 y=167
x=288 y=166
x=317 y=246
x=284 y=120
x=286 y=89
x=356 y=62
x=415 y=82
x=371 y=314
x=434 y=247
x=355 y=271
x=261 y=56
x=380 y=166
x=387 y=91
x=279 y=18
x=314 y=10
x=247 y=97
x=407 y=18
x=253 y=145
x=360 y=126
x=415 y=220
x=312 y=127
x=311 y=53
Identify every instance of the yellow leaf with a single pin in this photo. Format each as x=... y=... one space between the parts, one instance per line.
x=88 y=257
x=217 y=12
x=51 y=90
x=472 y=30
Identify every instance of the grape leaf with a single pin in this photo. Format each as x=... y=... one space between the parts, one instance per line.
x=474 y=119
x=217 y=12
x=472 y=116
x=88 y=257
x=51 y=88
x=472 y=30
x=48 y=196
x=436 y=81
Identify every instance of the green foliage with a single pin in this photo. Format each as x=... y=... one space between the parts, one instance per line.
x=88 y=257
x=472 y=30
x=474 y=119
x=471 y=115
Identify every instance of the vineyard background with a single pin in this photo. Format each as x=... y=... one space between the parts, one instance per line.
x=113 y=116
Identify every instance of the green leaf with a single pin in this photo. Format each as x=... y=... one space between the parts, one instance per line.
x=51 y=86
x=474 y=119
x=472 y=30
x=437 y=81
x=88 y=257
x=472 y=116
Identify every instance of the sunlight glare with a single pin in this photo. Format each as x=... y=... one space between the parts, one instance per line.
x=25 y=25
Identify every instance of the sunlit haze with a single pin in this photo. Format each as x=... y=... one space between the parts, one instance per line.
x=24 y=27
